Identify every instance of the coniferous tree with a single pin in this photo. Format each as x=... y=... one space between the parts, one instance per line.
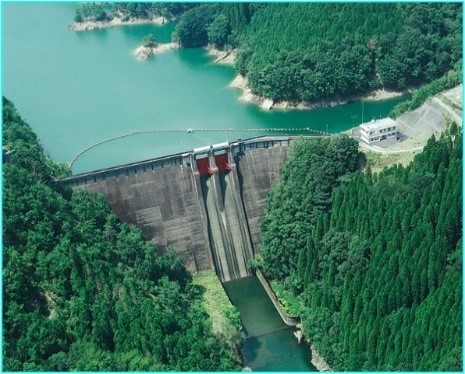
x=383 y=275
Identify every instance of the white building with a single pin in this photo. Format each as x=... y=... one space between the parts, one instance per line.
x=378 y=130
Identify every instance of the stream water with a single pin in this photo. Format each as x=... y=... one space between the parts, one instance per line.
x=269 y=344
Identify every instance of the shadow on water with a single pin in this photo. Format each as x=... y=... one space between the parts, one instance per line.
x=253 y=346
x=277 y=351
x=270 y=345
x=99 y=36
x=194 y=59
x=162 y=33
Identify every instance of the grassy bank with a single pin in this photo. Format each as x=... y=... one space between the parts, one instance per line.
x=225 y=318
x=286 y=298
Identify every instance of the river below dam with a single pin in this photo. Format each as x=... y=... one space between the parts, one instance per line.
x=76 y=89
x=270 y=345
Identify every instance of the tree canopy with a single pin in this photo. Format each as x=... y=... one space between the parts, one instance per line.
x=84 y=291
x=104 y=11
x=321 y=51
x=375 y=260
x=149 y=41
x=313 y=52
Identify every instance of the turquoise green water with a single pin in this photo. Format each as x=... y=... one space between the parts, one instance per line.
x=77 y=89
x=269 y=345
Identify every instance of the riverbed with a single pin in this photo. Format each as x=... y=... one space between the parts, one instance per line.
x=269 y=344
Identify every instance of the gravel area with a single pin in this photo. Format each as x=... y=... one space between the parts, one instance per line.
x=416 y=127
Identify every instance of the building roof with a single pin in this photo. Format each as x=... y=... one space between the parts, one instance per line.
x=378 y=124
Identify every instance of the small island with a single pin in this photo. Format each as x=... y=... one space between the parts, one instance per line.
x=150 y=47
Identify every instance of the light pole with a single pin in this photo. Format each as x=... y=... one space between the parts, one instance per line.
x=362 y=111
x=353 y=124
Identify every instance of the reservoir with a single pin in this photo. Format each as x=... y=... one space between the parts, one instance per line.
x=76 y=89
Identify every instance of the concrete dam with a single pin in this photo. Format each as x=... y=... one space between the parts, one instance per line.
x=206 y=203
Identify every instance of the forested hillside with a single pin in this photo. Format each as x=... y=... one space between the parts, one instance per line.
x=374 y=260
x=311 y=52
x=109 y=10
x=322 y=51
x=316 y=51
x=83 y=291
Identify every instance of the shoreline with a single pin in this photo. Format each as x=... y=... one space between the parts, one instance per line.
x=317 y=360
x=117 y=21
x=246 y=96
x=222 y=57
x=142 y=52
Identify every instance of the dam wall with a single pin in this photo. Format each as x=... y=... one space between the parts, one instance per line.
x=229 y=235
x=164 y=203
x=258 y=170
x=206 y=203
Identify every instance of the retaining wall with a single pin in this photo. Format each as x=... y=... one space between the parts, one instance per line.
x=290 y=321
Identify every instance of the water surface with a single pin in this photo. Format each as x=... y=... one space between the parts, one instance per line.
x=269 y=345
x=78 y=88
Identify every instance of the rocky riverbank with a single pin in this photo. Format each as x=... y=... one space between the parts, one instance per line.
x=143 y=53
x=247 y=96
x=222 y=57
x=318 y=361
x=242 y=83
x=117 y=21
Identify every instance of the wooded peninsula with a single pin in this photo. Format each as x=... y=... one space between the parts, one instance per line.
x=314 y=52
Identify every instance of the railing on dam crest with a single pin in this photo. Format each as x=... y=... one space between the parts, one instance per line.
x=185 y=159
x=206 y=203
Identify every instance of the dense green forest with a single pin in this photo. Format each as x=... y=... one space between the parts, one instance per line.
x=375 y=260
x=317 y=51
x=108 y=10
x=223 y=25
x=323 y=51
x=83 y=291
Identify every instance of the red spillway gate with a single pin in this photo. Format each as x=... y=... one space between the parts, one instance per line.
x=203 y=166
x=222 y=162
